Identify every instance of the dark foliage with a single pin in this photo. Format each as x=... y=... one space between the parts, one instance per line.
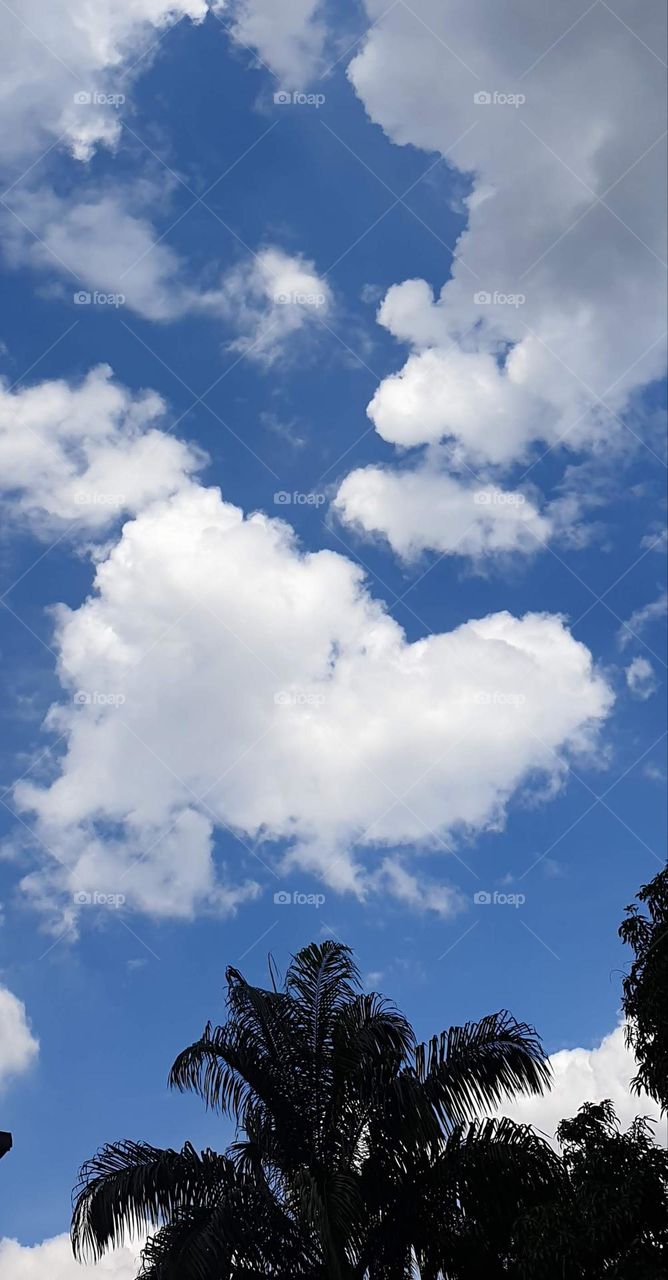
x=358 y=1151
x=611 y=1217
x=645 y=988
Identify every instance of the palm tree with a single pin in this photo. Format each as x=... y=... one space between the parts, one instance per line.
x=359 y=1154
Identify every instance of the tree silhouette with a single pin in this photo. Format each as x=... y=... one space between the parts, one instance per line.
x=645 y=989
x=610 y=1217
x=359 y=1153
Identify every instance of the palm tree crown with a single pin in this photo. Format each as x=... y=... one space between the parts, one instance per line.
x=359 y=1154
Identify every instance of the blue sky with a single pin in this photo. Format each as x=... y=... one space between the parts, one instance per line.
x=238 y=715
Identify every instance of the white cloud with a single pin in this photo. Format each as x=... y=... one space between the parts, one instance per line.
x=641 y=678
x=641 y=618
x=425 y=507
x=269 y=298
x=53 y=52
x=288 y=37
x=309 y=717
x=588 y=1075
x=84 y=453
x=553 y=318
x=100 y=241
x=418 y=893
x=55 y=1259
x=104 y=243
x=18 y=1046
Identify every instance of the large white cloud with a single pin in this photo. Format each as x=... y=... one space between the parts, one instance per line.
x=220 y=677
x=588 y=1075
x=553 y=317
x=52 y=53
x=18 y=1046
x=55 y=1259
x=83 y=453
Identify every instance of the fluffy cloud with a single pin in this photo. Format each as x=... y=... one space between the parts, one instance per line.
x=84 y=453
x=426 y=507
x=105 y=242
x=55 y=1259
x=61 y=61
x=588 y=1075
x=552 y=319
x=289 y=37
x=641 y=678
x=18 y=1046
x=314 y=721
x=269 y=298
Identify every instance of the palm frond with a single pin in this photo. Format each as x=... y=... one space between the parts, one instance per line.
x=128 y=1187
x=469 y=1070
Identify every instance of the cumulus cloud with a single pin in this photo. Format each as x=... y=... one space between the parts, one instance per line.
x=220 y=678
x=641 y=678
x=288 y=37
x=425 y=507
x=552 y=320
x=18 y=1046
x=55 y=1259
x=588 y=1075
x=84 y=453
x=61 y=62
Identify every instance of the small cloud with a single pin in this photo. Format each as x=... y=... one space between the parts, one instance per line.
x=641 y=678
x=655 y=540
x=269 y=300
x=640 y=618
x=653 y=773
